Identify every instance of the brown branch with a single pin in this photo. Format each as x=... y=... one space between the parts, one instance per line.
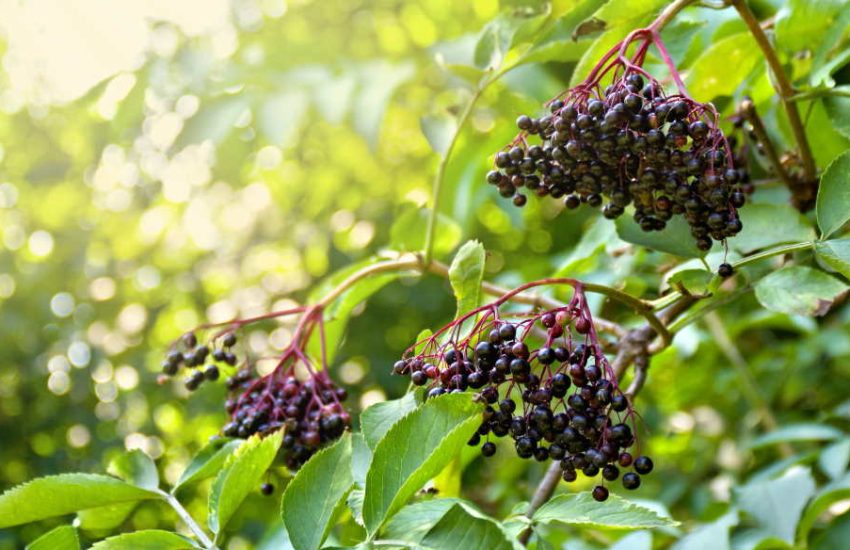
x=806 y=195
x=748 y=109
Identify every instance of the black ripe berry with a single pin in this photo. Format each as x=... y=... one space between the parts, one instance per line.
x=631 y=481
x=229 y=340
x=610 y=472
x=211 y=373
x=194 y=380
x=267 y=489
x=488 y=449
x=600 y=493
x=725 y=270
x=643 y=465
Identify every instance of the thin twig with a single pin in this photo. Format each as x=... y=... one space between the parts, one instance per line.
x=748 y=109
x=545 y=490
x=431 y=230
x=749 y=386
x=807 y=192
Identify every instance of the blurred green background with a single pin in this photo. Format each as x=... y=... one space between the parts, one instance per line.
x=180 y=162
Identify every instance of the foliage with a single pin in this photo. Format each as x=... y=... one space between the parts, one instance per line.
x=265 y=159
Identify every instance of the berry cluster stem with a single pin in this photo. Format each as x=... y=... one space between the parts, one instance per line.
x=749 y=385
x=806 y=191
x=748 y=109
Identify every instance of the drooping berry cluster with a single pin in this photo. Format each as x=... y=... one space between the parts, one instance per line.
x=547 y=385
x=189 y=353
x=629 y=143
x=304 y=402
x=310 y=411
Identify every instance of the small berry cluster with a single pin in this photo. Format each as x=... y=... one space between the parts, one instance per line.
x=188 y=352
x=557 y=398
x=295 y=396
x=629 y=144
x=310 y=411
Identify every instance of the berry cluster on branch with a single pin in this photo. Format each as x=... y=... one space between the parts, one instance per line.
x=297 y=396
x=546 y=383
x=629 y=143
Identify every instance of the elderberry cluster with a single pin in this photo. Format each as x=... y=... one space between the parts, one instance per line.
x=310 y=411
x=629 y=144
x=189 y=353
x=297 y=396
x=558 y=400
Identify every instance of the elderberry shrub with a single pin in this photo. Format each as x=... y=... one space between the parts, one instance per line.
x=628 y=144
x=557 y=400
x=309 y=409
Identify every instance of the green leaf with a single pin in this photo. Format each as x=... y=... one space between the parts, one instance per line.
x=802 y=24
x=833 y=459
x=422 y=340
x=214 y=120
x=585 y=255
x=592 y=55
x=712 y=536
x=560 y=43
x=281 y=113
x=137 y=468
x=828 y=58
x=620 y=12
x=562 y=51
x=694 y=281
x=614 y=513
x=380 y=417
x=466 y=274
x=104 y=518
x=836 y=254
x=458 y=529
x=498 y=35
x=674 y=239
x=63 y=537
x=378 y=82
x=797 y=432
x=354 y=501
x=777 y=504
x=799 y=290
x=408 y=231
x=152 y=539
x=766 y=225
x=239 y=477
x=828 y=495
x=315 y=493
x=721 y=69
x=838 y=110
x=413 y=522
x=361 y=457
x=439 y=131
x=833 y=204
x=50 y=496
x=414 y=450
x=207 y=462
